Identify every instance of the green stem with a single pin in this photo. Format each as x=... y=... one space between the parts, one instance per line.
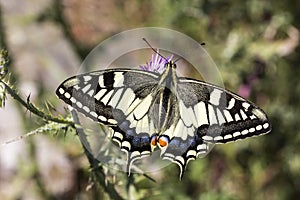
x=34 y=109
x=97 y=169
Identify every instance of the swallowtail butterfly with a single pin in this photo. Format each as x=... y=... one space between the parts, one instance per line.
x=146 y=109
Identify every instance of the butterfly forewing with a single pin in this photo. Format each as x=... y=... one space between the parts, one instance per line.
x=229 y=116
x=107 y=96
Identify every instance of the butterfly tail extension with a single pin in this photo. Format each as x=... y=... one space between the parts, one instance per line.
x=136 y=146
x=181 y=152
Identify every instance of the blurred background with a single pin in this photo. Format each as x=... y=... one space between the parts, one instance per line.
x=255 y=46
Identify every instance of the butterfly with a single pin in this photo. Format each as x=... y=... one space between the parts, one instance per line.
x=147 y=110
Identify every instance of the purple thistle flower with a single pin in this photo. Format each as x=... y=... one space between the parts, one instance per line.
x=156 y=64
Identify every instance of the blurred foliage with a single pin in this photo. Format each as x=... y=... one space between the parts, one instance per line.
x=255 y=39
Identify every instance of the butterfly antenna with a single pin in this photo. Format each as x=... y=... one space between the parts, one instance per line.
x=177 y=59
x=154 y=49
x=202 y=44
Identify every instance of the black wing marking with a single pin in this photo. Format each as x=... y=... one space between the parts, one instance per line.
x=209 y=114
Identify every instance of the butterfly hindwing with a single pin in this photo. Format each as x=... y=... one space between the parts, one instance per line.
x=209 y=114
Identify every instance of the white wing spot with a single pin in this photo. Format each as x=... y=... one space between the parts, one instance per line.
x=245 y=132
x=215 y=96
x=143 y=107
x=116 y=98
x=207 y=138
x=231 y=103
x=259 y=114
x=73 y=100
x=61 y=91
x=228 y=116
x=86 y=88
x=67 y=95
x=251 y=130
x=138 y=127
x=94 y=114
x=244 y=116
x=102 y=118
x=201 y=114
x=126 y=144
x=87 y=78
x=133 y=123
x=191 y=131
x=126 y=99
x=118 y=135
x=180 y=159
x=118 y=79
x=220 y=117
x=212 y=115
x=86 y=109
x=186 y=114
x=101 y=81
x=201 y=147
x=91 y=92
x=236 y=134
x=79 y=104
x=144 y=125
x=192 y=153
x=112 y=121
x=145 y=153
x=217 y=138
x=226 y=137
x=246 y=105
x=117 y=141
x=266 y=125
x=167 y=155
x=76 y=87
x=133 y=106
x=107 y=97
x=178 y=129
x=237 y=117
x=100 y=94
x=135 y=154
x=258 y=127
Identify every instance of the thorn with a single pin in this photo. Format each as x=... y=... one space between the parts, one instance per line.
x=28 y=99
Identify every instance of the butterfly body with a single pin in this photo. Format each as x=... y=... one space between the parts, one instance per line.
x=145 y=110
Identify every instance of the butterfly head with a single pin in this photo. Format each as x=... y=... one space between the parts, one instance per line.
x=171 y=64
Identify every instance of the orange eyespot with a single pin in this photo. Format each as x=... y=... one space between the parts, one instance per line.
x=154 y=140
x=163 y=141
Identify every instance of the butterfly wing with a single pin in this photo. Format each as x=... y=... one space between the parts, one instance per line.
x=118 y=98
x=210 y=114
x=107 y=96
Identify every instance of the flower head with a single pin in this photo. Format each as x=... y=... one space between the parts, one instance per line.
x=157 y=63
